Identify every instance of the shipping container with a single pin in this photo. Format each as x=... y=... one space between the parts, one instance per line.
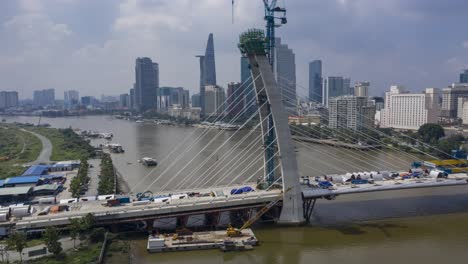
x=141 y=202
x=3 y=217
x=21 y=211
x=47 y=200
x=68 y=201
x=105 y=197
x=113 y=202
x=124 y=199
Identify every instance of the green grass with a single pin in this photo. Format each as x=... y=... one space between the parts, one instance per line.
x=66 y=145
x=12 y=154
x=84 y=255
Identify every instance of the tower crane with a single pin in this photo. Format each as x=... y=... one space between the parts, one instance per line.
x=271 y=9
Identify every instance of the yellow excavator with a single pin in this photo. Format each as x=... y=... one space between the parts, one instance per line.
x=237 y=232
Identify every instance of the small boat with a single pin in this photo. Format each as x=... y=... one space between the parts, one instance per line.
x=147 y=161
x=139 y=121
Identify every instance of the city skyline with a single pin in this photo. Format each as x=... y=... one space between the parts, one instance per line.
x=120 y=35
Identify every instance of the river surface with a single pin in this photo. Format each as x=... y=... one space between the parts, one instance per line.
x=409 y=226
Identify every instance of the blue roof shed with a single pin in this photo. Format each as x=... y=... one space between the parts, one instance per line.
x=2 y=182
x=36 y=170
x=13 y=181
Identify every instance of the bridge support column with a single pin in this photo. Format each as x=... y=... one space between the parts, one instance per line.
x=267 y=89
x=308 y=207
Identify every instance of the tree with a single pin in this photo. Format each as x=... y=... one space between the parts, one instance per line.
x=75 y=187
x=87 y=222
x=430 y=133
x=445 y=146
x=75 y=229
x=51 y=239
x=17 y=241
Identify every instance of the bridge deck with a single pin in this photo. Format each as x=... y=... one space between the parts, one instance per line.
x=197 y=205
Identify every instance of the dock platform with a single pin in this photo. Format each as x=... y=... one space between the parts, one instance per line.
x=201 y=240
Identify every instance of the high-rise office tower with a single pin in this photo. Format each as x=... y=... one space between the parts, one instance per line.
x=315 y=81
x=8 y=99
x=124 y=100
x=132 y=98
x=248 y=87
x=196 y=100
x=215 y=98
x=43 y=98
x=235 y=101
x=464 y=76
x=71 y=98
x=146 y=84
x=285 y=72
x=352 y=112
x=336 y=86
x=207 y=71
x=361 y=89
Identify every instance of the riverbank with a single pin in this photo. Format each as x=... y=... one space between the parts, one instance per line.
x=66 y=144
x=17 y=147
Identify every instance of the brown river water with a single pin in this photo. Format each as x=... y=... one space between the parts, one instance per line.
x=412 y=226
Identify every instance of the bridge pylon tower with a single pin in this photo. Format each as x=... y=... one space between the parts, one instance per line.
x=253 y=45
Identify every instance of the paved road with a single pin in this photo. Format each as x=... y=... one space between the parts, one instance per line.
x=93 y=173
x=46 y=152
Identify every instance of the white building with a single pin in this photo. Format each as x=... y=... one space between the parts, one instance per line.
x=404 y=110
x=214 y=100
x=361 y=89
x=351 y=112
x=450 y=99
x=464 y=116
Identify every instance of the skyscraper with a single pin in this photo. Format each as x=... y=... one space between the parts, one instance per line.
x=132 y=97
x=196 y=100
x=215 y=98
x=43 y=98
x=71 y=98
x=124 y=100
x=285 y=72
x=248 y=87
x=464 y=76
x=8 y=99
x=146 y=84
x=336 y=86
x=207 y=71
x=361 y=89
x=352 y=112
x=315 y=81
x=235 y=101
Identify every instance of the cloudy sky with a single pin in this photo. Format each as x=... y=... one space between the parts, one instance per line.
x=91 y=45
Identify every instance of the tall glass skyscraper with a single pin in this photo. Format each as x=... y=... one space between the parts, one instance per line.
x=207 y=71
x=464 y=76
x=248 y=87
x=146 y=84
x=285 y=72
x=315 y=81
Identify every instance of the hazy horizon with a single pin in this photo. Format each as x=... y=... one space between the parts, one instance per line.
x=91 y=46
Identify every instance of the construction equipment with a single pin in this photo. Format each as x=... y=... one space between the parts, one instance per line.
x=234 y=232
x=271 y=9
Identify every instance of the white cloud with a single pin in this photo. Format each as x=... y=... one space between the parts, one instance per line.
x=465 y=44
